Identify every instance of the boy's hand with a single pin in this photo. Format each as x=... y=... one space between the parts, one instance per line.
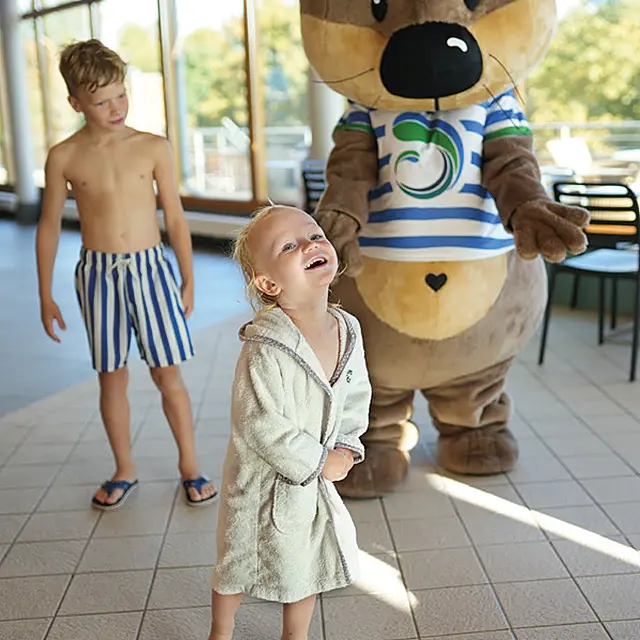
x=337 y=465
x=187 y=298
x=49 y=311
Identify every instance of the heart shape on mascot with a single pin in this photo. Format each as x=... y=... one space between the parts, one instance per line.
x=435 y=206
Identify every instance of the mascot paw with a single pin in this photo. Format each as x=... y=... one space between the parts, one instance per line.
x=383 y=469
x=478 y=452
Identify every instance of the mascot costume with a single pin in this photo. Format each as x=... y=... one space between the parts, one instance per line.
x=434 y=203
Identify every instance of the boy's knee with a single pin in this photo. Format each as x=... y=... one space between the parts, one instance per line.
x=114 y=381
x=167 y=379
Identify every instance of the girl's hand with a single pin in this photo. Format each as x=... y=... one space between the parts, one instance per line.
x=337 y=465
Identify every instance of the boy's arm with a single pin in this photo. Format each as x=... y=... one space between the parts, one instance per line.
x=48 y=237
x=174 y=220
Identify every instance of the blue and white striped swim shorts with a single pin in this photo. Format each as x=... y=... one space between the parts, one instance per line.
x=121 y=292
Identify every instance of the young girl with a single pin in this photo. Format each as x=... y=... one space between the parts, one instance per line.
x=300 y=404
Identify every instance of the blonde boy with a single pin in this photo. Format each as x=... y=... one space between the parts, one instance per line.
x=123 y=282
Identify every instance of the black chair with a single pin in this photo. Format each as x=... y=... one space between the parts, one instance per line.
x=314 y=182
x=615 y=220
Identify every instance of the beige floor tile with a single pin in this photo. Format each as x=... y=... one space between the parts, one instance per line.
x=441 y=568
x=420 y=504
x=49 y=453
x=10 y=527
x=564 y=493
x=3 y=550
x=188 y=549
x=428 y=533
x=189 y=520
x=24 y=630
x=560 y=428
x=42 y=558
x=569 y=632
x=539 y=469
x=122 y=553
x=93 y=472
x=38 y=597
x=374 y=537
x=607 y=425
x=526 y=561
x=545 y=602
x=613 y=597
x=588 y=467
x=626 y=516
x=624 y=630
x=55 y=434
x=16 y=501
x=493 y=528
x=611 y=490
x=371 y=617
x=114 y=626
x=590 y=518
x=365 y=510
x=107 y=592
x=72 y=497
x=141 y=521
x=177 y=624
x=577 y=445
x=457 y=610
x=64 y=525
x=154 y=469
x=483 y=635
x=584 y=560
x=256 y=621
x=179 y=588
x=27 y=476
x=379 y=574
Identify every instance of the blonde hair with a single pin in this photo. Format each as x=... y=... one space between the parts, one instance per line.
x=90 y=65
x=258 y=300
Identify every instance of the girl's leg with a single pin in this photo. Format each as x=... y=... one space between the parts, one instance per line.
x=223 y=614
x=296 y=619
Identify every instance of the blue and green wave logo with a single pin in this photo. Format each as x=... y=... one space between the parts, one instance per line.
x=414 y=127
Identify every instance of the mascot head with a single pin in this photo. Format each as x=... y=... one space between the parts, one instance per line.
x=425 y=54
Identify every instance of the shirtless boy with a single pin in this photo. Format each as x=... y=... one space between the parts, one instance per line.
x=123 y=282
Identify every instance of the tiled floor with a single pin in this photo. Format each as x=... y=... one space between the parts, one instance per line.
x=544 y=553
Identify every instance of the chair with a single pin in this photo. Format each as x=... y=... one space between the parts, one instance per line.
x=614 y=217
x=314 y=182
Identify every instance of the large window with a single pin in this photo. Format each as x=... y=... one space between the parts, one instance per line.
x=227 y=87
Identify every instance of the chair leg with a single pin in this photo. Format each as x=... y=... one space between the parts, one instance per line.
x=614 y=304
x=574 y=294
x=547 y=314
x=601 y=305
x=636 y=329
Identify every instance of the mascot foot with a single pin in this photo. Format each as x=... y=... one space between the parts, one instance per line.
x=383 y=469
x=478 y=452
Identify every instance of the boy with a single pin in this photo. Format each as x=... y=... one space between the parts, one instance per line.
x=123 y=281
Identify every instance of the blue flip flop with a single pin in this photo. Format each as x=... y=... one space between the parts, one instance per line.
x=197 y=484
x=110 y=486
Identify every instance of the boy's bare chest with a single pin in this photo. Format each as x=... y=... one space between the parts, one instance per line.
x=98 y=171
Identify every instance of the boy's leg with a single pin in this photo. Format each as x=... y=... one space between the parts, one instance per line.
x=296 y=619
x=114 y=409
x=223 y=614
x=177 y=408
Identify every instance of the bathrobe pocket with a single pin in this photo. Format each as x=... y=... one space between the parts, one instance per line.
x=294 y=507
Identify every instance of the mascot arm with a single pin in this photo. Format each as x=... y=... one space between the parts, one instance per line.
x=512 y=176
x=352 y=171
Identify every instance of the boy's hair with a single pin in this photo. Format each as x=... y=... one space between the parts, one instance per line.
x=90 y=65
x=258 y=300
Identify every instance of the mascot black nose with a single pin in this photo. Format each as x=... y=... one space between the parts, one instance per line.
x=431 y=60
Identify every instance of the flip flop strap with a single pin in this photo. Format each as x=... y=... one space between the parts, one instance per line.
x=196 y=483
x=111 y=485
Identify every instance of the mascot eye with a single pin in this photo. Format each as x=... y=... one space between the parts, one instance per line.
x=472 y=5
x=379 y=9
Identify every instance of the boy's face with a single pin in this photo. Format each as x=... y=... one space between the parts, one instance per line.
x=106 y=107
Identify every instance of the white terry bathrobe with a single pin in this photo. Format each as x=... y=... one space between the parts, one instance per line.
x=283 y=530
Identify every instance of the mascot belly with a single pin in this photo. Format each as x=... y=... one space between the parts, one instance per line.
x=434 y=204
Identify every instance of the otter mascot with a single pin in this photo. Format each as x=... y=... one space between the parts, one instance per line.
x=435 y=206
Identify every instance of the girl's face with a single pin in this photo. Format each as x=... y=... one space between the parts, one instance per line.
x=293 y=260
